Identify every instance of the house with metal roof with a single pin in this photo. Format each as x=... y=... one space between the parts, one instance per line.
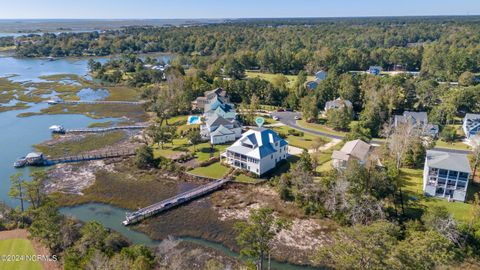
x=417 y=119
x=446 y=175
x=471 y=124
x=208 y=131
x=353 y=150
x=259 y=150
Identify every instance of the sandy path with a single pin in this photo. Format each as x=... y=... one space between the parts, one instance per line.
x=38 y=247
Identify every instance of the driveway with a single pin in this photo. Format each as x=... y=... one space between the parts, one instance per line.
x=288 y=118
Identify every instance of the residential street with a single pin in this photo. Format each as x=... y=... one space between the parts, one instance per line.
x=288 y=118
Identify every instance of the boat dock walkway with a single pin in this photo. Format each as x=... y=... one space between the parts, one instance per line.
x=79 y=102
x=91 y=156
x=38 y=159
x=106 y=129
x=164 y=205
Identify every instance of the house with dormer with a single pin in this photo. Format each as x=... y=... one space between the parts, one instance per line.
x=259 y=151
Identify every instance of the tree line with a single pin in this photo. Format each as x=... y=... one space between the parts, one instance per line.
x=442 y=48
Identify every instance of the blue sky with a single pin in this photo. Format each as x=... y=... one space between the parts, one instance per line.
x=170 y=9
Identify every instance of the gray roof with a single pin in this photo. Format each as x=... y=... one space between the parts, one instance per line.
x=448 y=161
x=414 y=118
x=217 y=120
x=357 y=149
x=221 y=131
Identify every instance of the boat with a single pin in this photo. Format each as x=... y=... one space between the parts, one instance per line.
x=54 y=101
x=57 y=129
x=21 y=162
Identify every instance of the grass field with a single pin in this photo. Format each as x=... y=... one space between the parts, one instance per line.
x=17 y=246
x=320 y=127
x=269 y=76
x=216 y=170
x=305 y=142
x=417 y=202
x=454 y=145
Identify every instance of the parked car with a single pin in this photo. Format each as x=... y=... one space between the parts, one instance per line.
x=297 y=117
x=276 y=118
x=289 y=110
x=280 y=110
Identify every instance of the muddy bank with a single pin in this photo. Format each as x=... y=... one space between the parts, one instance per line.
x=174 y=254
x=295 y=245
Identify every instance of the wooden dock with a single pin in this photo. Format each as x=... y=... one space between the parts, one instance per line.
x=91 y=156
x=106 y=129
x=164 y=205
x=106 y=102
x=43 y=161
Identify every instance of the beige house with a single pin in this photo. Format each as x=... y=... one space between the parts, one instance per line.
x=352 y=150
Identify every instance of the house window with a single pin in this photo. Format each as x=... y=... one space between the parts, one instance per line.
x=276 y=144
x=271 y=156
x=257 y=170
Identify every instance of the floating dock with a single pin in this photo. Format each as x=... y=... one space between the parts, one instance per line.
x=164 y=205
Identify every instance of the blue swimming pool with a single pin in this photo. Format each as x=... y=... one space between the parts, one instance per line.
x=194 y=120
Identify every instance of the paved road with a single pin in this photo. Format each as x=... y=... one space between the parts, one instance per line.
x=288 y=118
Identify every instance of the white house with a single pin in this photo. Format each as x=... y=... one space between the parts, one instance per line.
x=259 y=150
x=220 y=116
x=446 y=175
x=352 y=150
x=471 y=124
x=215 y=129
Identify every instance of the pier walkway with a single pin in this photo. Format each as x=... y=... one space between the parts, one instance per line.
x=91 y=156
x=164 y=205
x=79 y=102
x=106 y=129
x=38 y=159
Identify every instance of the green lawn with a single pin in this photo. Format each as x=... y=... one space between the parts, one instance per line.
x=216 y=170
x=320 y=127
x=269 y=76
x=413 y=187
x=454 y=145
x=242 y=178
x=305 y=142
x=18 y=246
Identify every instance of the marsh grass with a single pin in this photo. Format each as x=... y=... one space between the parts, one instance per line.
x=85 y=143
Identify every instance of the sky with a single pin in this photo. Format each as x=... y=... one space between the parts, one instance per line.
x=185 y=9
